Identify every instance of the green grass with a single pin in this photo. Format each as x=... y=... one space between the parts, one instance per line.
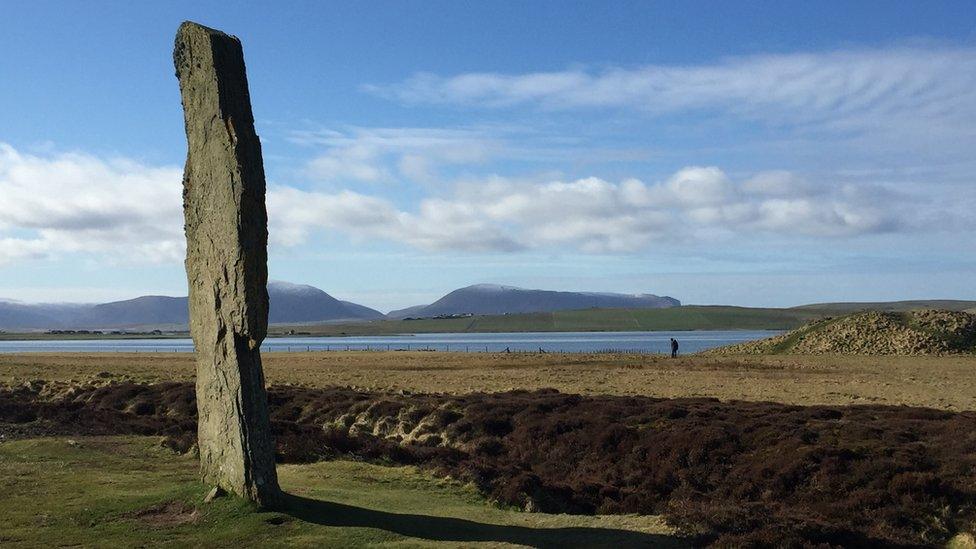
x=694 y=317
x=129 y=491
x=890 y=306
x=688 y=317
x=44 y=336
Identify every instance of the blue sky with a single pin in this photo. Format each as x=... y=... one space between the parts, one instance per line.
x=759 y=153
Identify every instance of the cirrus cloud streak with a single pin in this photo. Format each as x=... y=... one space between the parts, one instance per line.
x=855 y=90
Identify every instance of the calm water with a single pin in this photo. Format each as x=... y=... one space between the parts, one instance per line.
x=569 y=342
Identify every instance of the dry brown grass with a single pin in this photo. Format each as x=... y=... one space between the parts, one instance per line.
x=947 y=383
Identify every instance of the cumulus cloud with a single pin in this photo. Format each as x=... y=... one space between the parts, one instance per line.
x=841 y=90
x=385 y=154
x=594 y=215
x=75 y=202
x=128 y=211
x=437 y=225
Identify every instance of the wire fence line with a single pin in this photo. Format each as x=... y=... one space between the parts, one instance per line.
x=583 y=343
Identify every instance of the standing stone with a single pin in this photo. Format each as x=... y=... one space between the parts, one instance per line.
x=226 y=263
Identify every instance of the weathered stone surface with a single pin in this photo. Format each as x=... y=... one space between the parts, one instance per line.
x=226 y=263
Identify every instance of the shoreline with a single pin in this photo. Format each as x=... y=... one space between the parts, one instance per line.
x=44 y=336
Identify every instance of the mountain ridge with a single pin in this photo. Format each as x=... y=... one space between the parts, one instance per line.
x=290 y=303
x=495 y=299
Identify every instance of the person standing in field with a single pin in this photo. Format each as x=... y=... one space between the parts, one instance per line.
x=674 y=347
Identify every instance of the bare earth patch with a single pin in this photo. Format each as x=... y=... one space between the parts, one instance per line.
x=173 y=513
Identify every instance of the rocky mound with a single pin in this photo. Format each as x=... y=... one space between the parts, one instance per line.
x=732 y=474
x=874 y=333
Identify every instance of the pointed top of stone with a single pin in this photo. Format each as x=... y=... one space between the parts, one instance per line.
x=191 y=25
x=201 y=53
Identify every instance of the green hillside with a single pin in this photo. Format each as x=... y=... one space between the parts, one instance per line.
x=694 y=317
x=892 y=306
x=687 y=317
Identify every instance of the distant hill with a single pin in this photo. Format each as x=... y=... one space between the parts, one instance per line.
x=892 y=306
x=290 y=303
x=417 y=311
x=493 y=299
x=917 y=332
x=145 y=310
x=17 y=315
x=361 y=311
x=297 y=303
x=685 y=317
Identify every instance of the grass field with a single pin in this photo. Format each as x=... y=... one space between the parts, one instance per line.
x=939 y=382
x=130 y=491
x=43 y=336
x=676 y=318
x=890 y=306
x=687 y=317
x=588 y=320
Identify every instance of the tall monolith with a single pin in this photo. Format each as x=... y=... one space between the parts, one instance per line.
x=226 y=263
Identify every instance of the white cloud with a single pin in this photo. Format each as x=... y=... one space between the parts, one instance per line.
x=924 y=89
x=594 y=215
x=74 y=202
x=438 y=225
x=12 y=249
x=374 y=155
x=127 y=211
